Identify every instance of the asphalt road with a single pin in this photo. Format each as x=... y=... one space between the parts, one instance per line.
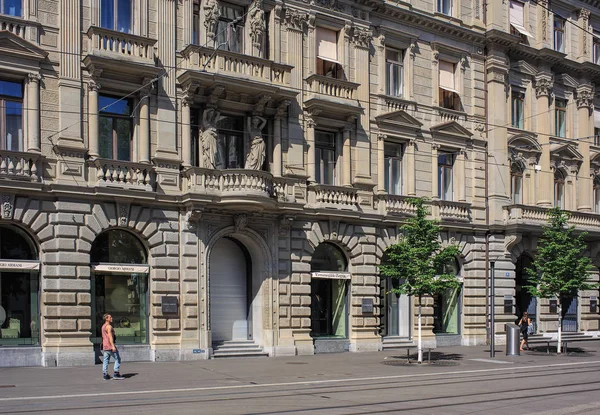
x=466 y=381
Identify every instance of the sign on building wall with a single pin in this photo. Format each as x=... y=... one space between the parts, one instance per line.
x=122 y=268
x=331 y=275
x=19 y=265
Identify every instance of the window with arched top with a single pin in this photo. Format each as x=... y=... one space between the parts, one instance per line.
x=118 y=246
x=559 y=189
x=328 y=257
x=597 y=194
x=516 y=183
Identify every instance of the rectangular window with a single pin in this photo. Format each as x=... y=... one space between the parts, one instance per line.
x=445 y=188
x=19 y=312
x=445 y=7
x=517 y=107
x=560 y=118
x=196 y=23
x=517 y=20
x=596 y=126
x=11 y=116
x=449 y=97
x=228 y=35
x=230 y=143
x=446 y=311
x=394 y=72
x=325 y=157
x=116 y=15
x=516 y=188
x=393 y=168
x=116 y=128
x=559 y=34
x=12 y=8
x=596 y=136
x=327 y=54
x=596 y=48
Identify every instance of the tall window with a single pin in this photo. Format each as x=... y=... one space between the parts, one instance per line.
x=228 y=34
x=517 y=20
x=559 y=189
x=449 y=97
x=394 y=72
x=517 y=107
x=393 y=168
x=596 y=126
x=230 y=143
x=559 y=34
x=446 y=306
x=196 y=23
x=327 y=54
x=116 y=15
x=597 y=194
x=445 y=162
x=596 y=48
x=560 y=129
x=11 y=116
x=12 y=7
x=596 y=136
x=516 y=183
x=325 y=156
x=115 y=128
x=445 y=7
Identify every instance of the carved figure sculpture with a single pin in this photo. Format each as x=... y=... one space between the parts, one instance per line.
x=209 y=139
x=257 y=24
x=212 y=12
x=256 y=156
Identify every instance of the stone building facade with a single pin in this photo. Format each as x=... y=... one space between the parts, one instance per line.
x=230 y=185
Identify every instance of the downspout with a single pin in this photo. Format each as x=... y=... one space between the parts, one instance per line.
x=489 y=329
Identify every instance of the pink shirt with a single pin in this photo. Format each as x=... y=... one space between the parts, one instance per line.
x=105 y=340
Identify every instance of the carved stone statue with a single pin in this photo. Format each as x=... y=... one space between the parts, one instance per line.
x=257 y=24
x=256 y=156
x=212 y=12
x=209 y=139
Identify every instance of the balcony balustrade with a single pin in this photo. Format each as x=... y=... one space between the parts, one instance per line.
x=124 y=175
x=333 y=197
x=111 y=44
x=15 y=26
x=535 y=215
x=321 y=85
x=398 y=205
x=446 y=210
x=15 y=165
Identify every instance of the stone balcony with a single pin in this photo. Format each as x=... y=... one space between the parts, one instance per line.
x=124 y=175
x=538 y=216
x=323 y=196
x=19 y=166
x=396 y=205
x=446 y=210
x=331 y=94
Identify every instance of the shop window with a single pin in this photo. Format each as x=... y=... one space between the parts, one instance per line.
x=446 y=306
x=516 y=183
x=116 y=15
x=560 y=120
x=449 y=97
x=327 y=54
x=445 y=164
x=329 y=296
x=118 y=289
x=517 y=107
x=559 y=34
x=325 y=157
x=394 y=72
x=445 y=7
x=116 y=128
x=11 y=122
x=230 y=28
x=12 y=7
x=393 y=168
x=559 y=189
x=19 y=289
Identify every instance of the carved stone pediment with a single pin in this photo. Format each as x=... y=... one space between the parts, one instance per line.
x=451 y=128
x=400 y=119
x=565 y=152
x=11 y=44
x=524 y=143
x=523 y=67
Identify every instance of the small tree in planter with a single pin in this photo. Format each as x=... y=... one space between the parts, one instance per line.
x=418 y=261
x=560 y=268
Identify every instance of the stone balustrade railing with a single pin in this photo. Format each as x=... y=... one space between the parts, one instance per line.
x=124 y=174
x=453 y=211
x=14 y=26
x=230 y=182
x=336 y=197
x=16 y=165
x=110 y=43
x=230 y=63
x=398 y=205
x=539 y=215
x=336 y=88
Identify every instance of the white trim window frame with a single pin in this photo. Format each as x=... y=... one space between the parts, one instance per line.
x=560 y=117
x=327 y=61
x=445 y=173
x=517 y=107
x=12 y=115
x=449 y=97
x=445 y=7
x=326 y=157
x=393 y=168
x=559 y=34
x=394 y=72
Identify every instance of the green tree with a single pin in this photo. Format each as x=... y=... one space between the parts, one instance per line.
x=419 y=262
x=560 y=268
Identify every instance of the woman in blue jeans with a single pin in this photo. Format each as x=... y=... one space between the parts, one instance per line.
x=109 y=349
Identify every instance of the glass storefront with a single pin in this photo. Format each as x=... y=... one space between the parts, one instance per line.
x=329 y=296
x=118 y=289
x=446 y=306
x=19 y=289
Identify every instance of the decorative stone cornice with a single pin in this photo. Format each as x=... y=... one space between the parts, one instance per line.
x=192 y=216
x=259 y=107
x=585 y=97
x=240 y=222
x=189 y=90
x=362 y=38
x=295 y=20
x=216 y=93
x=381 y=137
x=543 y=86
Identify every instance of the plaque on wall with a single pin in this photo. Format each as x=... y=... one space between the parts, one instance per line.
x=508 y=304
x=169 y=305
x=553 y=306
x=19 y=265
x=122 y=268
x=367 y=305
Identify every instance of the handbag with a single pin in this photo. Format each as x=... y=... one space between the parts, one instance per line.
x=530 y=328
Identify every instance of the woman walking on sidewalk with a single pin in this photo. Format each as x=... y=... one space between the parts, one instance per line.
x=109 y=349
x=524 y=324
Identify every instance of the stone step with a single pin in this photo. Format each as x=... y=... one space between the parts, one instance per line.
x=220 y=355
x=237 y=348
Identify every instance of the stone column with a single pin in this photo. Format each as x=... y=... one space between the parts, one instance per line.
x=93 y=119
x=543 y=87
x=346 y=150
x=186 y=132
x=410 y=168
x=434 y=171
x=460 y=175
x=277 y=163
x=585 y=125
x=310 y=140
x=381 y=163
x=144 y=143
x=33 y=116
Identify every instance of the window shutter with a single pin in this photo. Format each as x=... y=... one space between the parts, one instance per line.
x=327 y=44
x=447 y=75
x=516 y=13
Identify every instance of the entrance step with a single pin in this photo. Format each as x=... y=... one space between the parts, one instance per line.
x=237 y=348
x=396 y=343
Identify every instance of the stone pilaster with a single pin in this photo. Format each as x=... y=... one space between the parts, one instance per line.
x=33 y=116
x=585 y=125
x=543 y=89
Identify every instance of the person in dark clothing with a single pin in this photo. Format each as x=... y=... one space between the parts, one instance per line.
x=524 y=324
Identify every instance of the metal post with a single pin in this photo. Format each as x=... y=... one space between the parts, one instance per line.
x=492 y=303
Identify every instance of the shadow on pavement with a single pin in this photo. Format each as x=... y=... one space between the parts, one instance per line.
x=129 y=375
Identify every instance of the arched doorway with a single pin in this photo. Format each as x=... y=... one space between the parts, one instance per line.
x=329 y=292
x=19 y=288
x=395 y=319
x=230 y=291
x=120 y=286
x=524 y=300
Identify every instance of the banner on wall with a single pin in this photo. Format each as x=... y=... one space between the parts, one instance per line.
x=19 y=265
x=122 y=268
x=331 y=275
